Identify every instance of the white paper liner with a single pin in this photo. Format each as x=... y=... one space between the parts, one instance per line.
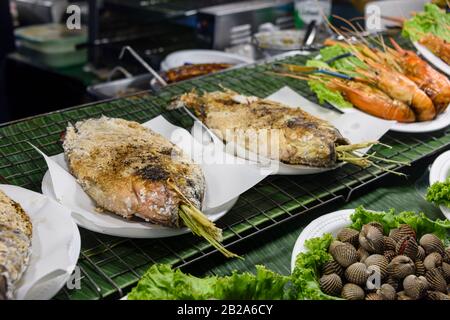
x=55 y=244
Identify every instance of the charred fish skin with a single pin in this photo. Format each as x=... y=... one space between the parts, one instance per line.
x=302 y=139
x=125 y=167
x=15 y=245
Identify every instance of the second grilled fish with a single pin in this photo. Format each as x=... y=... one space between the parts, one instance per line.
x=301 y=138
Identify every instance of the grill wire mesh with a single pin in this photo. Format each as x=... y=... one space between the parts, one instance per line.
x=109 y=265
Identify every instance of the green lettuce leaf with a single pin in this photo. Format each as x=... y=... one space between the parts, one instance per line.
x=439 y=193
x=433 y=20
x=390 y=220
x=161 y=282
x=307 y=267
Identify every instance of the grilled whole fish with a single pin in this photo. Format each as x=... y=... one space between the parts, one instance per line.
x=15 y=245
x=124 y=167
x=301 y=138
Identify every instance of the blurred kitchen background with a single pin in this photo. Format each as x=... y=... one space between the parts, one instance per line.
x=44 y=66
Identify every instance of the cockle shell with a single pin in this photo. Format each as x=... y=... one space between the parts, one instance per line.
x=357 y=273
x=332 y=266
x=420 y=253
x=331 y=284
x=407 y=246
x=362 y=254
x=389 y=244
x=415 y=287
x=351 y=291
x=348 y=235
x=402 y=296
x=387 y=292
x=400 y=267
x=371 y=239
x=377 y=225
x=433 y=260
x=402 y=231
x=436 y=280
x=389 y=255
x=373 y=296
x=379 y=261
x=394 y=283
x=432 y=243
x=345 y=254
x=436 y=295
x=420 y=268
x=333 y=245
x=446 y=271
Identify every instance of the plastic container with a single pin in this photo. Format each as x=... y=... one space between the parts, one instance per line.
x=52 y=44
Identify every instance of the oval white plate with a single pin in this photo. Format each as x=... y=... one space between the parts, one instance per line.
x=180 y=58
x=127 y=228
x=55 y=245
x=440 y=170
x=329 y=223
x=430 y=56
x=442 y=121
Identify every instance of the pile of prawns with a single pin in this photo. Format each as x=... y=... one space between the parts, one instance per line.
x=390 y=83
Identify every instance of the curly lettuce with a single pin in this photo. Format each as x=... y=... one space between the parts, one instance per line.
x=432 y=20
x=439 y=193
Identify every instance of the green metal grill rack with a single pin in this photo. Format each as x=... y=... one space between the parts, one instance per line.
x=110 y=266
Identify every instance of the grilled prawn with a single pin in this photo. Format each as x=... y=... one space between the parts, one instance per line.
x=438 y=46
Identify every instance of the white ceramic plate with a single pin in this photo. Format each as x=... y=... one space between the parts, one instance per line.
x=180 y=58
x=442 y=121
x=430 y=56
x=127 y=228
x=329 y=223
x=440 y=170
x=55 y=245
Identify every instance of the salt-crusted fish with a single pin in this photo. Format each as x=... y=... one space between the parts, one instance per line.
x=132 y=171
x=301 y=138
x=15 y=245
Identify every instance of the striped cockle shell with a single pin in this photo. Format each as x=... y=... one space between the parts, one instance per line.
x=348 y=235
x=436 y=280
x=436 y=295
x=379 y=261
x=332 y=266
x=345 y=254
x=377 y=225
x=415 y=287
x=407 y=246
x=351 y=291
x=389 y=243
x=402 y=231
x=331 y=284
x=362 y=254
x=400 y=267
x=394 y=283
x=333 y=245
x=401 y=295
x=371 y=239
x=446 y=271
x=357 y=273
x=420 y=268
x=420 y=253
x=433 y=260
x=373 y=296
x=431 y=243
x=387 y=292
x=389 y=255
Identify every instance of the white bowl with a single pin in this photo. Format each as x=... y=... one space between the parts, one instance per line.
x=180 y=58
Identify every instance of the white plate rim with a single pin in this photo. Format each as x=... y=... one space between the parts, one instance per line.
x=439 y=171
x=73 y=253
x=339 y=219
x=432 y=58
x=137 y=233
